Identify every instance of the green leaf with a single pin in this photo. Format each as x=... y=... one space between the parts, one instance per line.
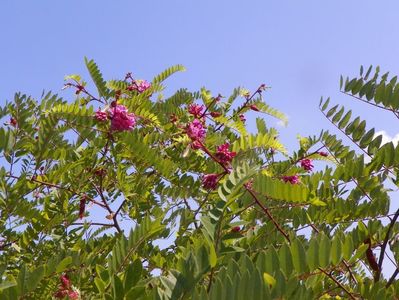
x=64 y=264
x=298 y=256
x=324 y=251
x=135 y=293
x=97 y=77
x=212 y=256
x=348 y=247
x=359 y=253
x=269 y=280
x=117 y=288
x=336 y=253
x=7 y=284
x=34 y=278
x=331 y=111
x=312 y=254
x=133 y=274
x=100 y=285
x=345 y=120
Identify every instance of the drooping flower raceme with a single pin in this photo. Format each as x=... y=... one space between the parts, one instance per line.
x=101 y=116
x=65 y=289
x=139 y=85
x=121 y=119
x=306 y=164
x=142 y=85
x=294 y=179
x=195 y=110
x=223 y=154
x=209 y=181
x=196 y=131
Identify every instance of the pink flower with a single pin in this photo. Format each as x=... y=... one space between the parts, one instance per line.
x=121 y=119
x=196 y=131
x=101 y=116
x=254 y=107
x=73 y=295
x=195 y=110
x=196 y=145
x=13 y=122
x=307 y=164
x=65 y=289
x=223 y=153
x=210 y=181
x=65 y=282
x=236 y=229
x=248 y=185
x=242 y=118
x=139 y=85
x=322 y=153
x=294 y=179
x=142 y=85
x=61 y=294
x=215 y=114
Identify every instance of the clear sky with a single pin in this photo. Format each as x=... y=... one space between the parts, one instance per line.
x=299 y=48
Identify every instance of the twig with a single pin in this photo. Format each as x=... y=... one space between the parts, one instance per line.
x=384 y=244
x=267 y=212
x=339 y=284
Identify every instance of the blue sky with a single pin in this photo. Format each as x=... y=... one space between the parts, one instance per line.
x=299 y=48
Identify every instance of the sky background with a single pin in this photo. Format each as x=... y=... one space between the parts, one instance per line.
x=299 y=48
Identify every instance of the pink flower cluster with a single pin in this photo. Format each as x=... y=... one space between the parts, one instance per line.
x=139 y=85
x=306 y=164
x=196 y=131
x=294 y=179
x=195 y=110
x=209 y=181
x=142 y=85
x=223 y=154
x=101 y=116
x=121 y=119
x=65 y=289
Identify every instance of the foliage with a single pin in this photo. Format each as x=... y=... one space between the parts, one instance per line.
x=130 y=195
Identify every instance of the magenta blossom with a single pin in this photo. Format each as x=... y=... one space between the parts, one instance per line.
x=242 y=118
x=74 y=295
x=306 y=164
x=195 y=110
x=223 y=153
x=294 y=179
x=139 y=85
x=322 y=153
x=65 y=282
x=101 y=116
x=121 y=119
x=210 y=181
x=196 y=131
x=196 y=145
x=142 y=85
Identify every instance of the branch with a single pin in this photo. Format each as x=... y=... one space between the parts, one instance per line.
x=395 y=112
x=390 y=281
x=339 y=284
x=384 y=245
x=267 y=212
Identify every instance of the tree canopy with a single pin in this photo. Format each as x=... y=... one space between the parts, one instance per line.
x=123 y=193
